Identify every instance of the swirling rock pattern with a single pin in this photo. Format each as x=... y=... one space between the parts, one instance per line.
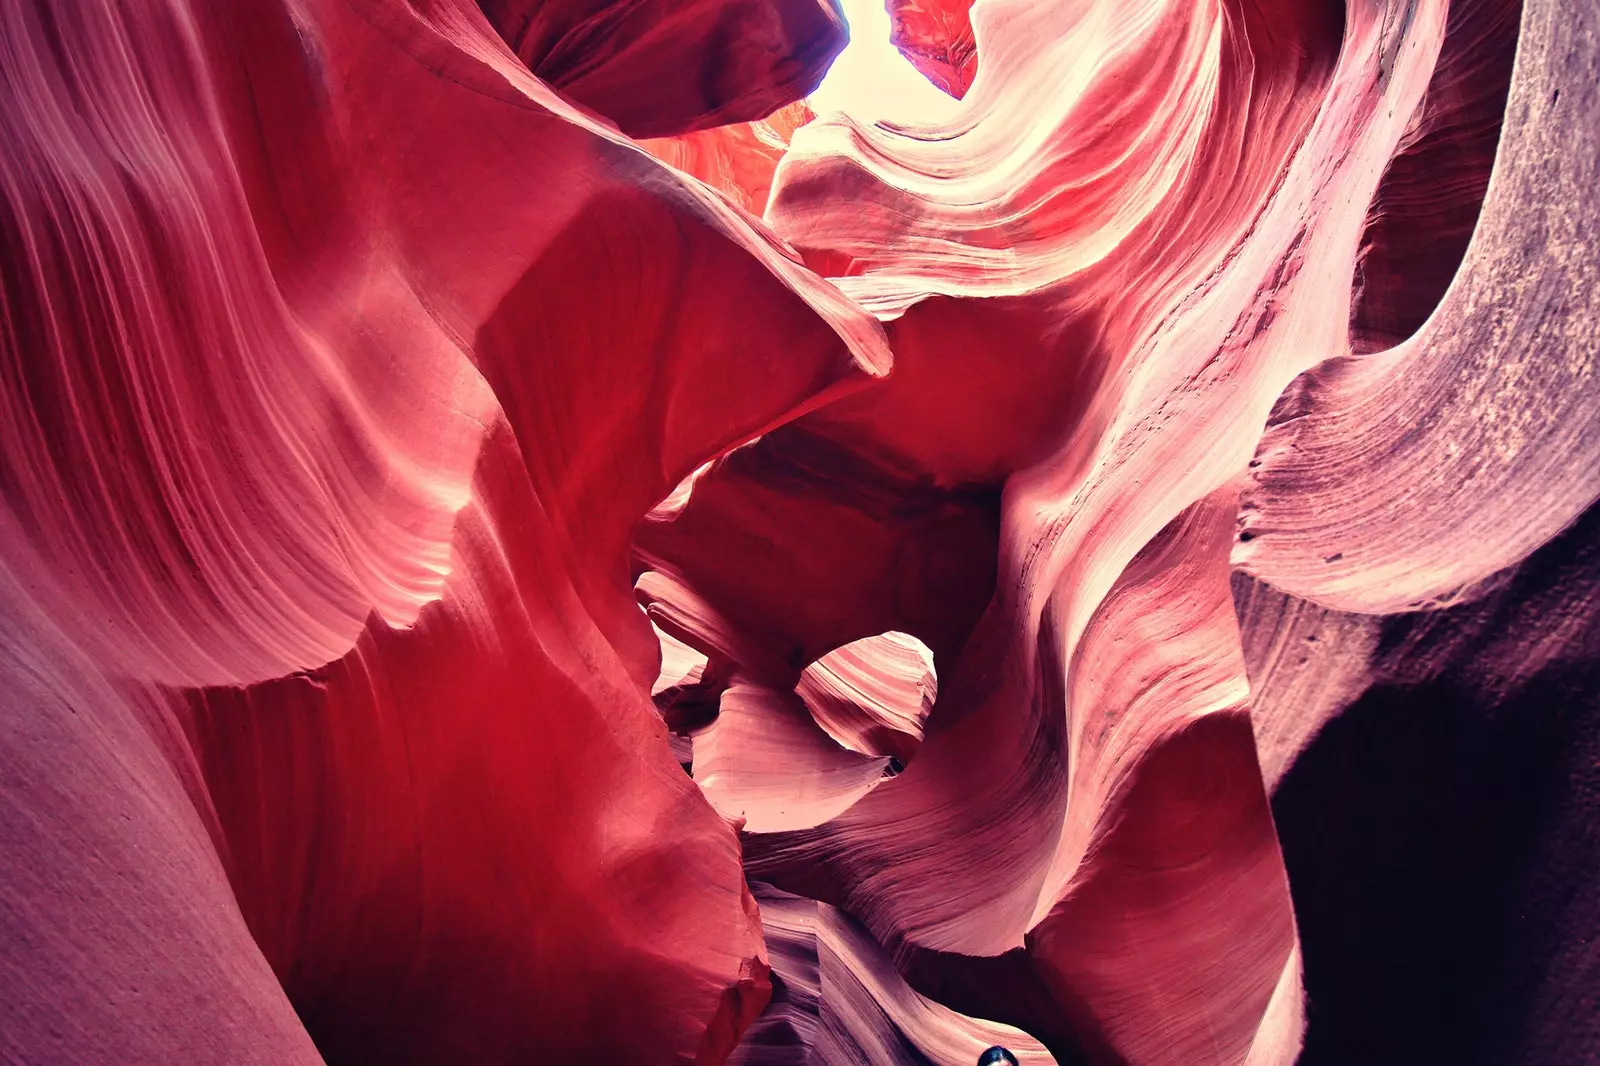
x=521 y=542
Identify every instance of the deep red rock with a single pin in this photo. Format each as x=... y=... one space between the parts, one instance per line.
x=936 y=35
x=324 y=442
x=478 y=587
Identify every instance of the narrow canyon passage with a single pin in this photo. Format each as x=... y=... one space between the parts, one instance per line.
x=770 y=532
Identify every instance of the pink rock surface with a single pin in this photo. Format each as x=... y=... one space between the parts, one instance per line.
x=737 y=160
x=521 y=543
x=873 y=695
x=841 y=1000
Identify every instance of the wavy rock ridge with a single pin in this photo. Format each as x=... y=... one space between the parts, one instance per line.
x=521 y=542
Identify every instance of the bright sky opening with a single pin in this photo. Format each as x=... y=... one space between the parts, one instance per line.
x=871 y=80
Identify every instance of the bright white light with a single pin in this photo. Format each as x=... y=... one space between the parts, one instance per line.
x=871 y=80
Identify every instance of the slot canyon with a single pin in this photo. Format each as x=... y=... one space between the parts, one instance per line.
x=771 y=533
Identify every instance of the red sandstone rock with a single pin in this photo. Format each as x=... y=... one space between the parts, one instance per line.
x=342 y=356
x=668 y=67
x=936 y=35
x=737 y=160
x=364 y=379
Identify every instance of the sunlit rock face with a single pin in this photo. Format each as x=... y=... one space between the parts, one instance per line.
x=697 y=532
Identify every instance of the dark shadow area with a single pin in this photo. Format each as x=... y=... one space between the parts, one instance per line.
x=1443 y=862
x=1002 y=988
x=1442 y=836
x=1427 y=205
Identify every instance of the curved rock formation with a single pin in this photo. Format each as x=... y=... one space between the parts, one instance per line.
x=522 y=541
x=324 y=437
